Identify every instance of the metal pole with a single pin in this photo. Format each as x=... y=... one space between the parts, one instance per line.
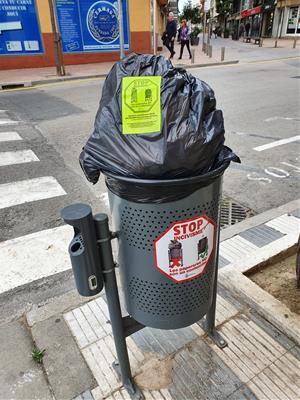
x=121 y=29
x=193 y=56
x=295 y=41
x=122 y=366
x=204 y=28
x=222 y=53
x=60 y=68
x=154 y=26
x=208 y=31
x=278 y=26
x=211 y=315
x=210 y=51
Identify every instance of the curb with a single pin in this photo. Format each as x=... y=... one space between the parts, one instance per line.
x=190 y=66
x=27 y=84
x=271 y=59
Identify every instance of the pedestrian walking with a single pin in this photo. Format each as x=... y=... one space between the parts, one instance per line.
x=241 y=30
x=170 y=34
x=184 y=38
x=247 y=28
x=214 y=29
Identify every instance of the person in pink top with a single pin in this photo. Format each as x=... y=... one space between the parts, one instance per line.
x=184 y=38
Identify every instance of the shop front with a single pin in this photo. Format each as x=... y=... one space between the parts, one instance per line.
x=267 y=18
x=293 y=21
x=287 y=18
x=252 y=18
x=88 y=30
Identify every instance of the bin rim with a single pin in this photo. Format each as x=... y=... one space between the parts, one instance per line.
x=160 y=182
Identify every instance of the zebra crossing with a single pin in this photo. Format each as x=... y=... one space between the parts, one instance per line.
x=32 y=256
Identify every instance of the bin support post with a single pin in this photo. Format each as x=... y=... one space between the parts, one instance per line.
x=211 y=315
x=122 y=365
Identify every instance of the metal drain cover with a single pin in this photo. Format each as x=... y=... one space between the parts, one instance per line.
x=232 y=212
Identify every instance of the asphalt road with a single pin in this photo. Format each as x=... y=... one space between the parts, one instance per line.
x=260 y=102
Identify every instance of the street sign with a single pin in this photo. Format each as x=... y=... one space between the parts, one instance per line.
x=19 y=28
x=141 y=111
x=91 y=26
x=183 y=251
x=207 y=5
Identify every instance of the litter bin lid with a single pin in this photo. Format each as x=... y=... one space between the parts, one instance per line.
x=160 y=190
x=204 y=178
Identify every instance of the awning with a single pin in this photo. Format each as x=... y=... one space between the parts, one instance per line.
x=251 y=11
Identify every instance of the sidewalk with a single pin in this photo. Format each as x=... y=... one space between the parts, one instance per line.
x=234 y=51
x=249 y=52
x=34 y=76
x=262 y=360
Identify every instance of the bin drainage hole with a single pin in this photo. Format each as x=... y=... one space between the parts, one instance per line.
x=75 y=247
x=232 y=212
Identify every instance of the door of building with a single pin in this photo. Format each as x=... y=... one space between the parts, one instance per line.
x=268 y=24
x=293 y=22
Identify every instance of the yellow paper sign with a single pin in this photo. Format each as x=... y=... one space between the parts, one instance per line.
x=141 y=111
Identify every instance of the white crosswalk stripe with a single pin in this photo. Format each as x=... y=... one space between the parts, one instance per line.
x=35 y=256
x=17 y=157
x=31 y=257
x=14 y=193
x=9 y=136
x=8 y=122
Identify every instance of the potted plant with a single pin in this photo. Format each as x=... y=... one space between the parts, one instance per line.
x=226 y=33
x=194 y=36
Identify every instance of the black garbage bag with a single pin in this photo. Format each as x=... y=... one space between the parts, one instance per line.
x=190 y=141
x=166 y=190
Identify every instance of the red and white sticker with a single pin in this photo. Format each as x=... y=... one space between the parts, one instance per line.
x=183 y=251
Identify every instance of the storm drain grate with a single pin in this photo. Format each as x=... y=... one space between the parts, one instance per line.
x=232 y=212
x=6 y=86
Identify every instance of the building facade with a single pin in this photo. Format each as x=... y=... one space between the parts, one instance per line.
x=287 y=18
x=173 y=7
x=88 y=29
x=266 y=18
x=196 y=3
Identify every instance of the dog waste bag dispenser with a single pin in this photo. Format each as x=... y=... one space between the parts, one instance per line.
x=83 y=250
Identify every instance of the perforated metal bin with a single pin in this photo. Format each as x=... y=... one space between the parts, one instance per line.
x=151 y=297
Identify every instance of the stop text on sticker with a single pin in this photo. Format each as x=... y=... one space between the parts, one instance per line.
x=187 y=230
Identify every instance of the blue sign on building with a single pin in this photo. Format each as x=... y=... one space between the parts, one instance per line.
x=19 y=28
x=91 y=26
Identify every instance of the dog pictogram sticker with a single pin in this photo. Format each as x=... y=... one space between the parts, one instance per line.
x=183 y=251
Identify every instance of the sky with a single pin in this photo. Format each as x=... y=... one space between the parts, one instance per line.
x=181 y=4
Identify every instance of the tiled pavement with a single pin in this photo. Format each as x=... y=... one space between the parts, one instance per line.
x=251 y=240
x=259 y=363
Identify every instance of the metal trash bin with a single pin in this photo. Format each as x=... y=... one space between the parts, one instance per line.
x=157 y=293
x=168 y=256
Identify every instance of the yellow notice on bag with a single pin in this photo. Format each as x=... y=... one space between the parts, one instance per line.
x=141 y=111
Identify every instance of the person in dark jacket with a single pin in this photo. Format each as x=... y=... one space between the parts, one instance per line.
x=247 y=28
x=170 y=34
